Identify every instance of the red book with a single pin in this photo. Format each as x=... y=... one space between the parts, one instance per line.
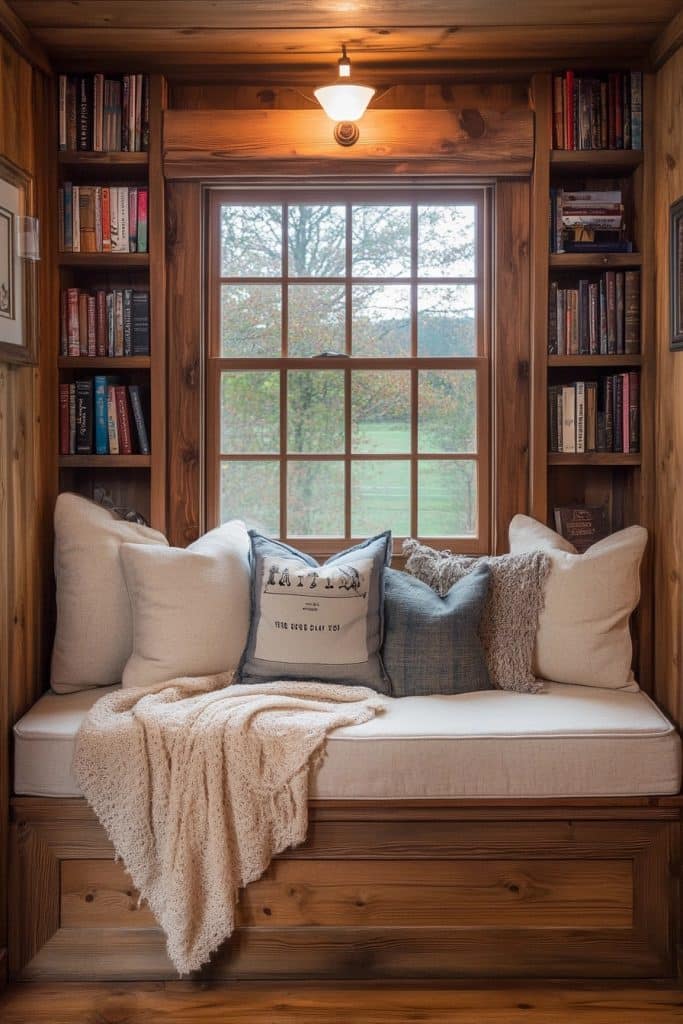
x=100 y=323
x=125 y=441
x=64 y=429
x=132 y=219
x=142 y=229
x=64 y=324
x=569 y=112
x=92 y=350
x=106 y=221
x=73 y=333
x=83 y=323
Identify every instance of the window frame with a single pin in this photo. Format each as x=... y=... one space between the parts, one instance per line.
x=414 y=194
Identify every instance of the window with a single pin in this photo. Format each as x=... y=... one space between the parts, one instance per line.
x=348 y=370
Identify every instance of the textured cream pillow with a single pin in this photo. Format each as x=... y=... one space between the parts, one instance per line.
x=583 y=631
x=94 y=635
x=191 y=606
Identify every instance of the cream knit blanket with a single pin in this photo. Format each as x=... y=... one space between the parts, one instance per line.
x=199 y=783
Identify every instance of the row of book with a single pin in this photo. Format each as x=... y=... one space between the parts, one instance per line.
x=588 y=220
x=595 y=416
x=104 y=323
x=97 y=416
x=598 y=111
x=104 y=115
x=102 y=218
x=599 y=317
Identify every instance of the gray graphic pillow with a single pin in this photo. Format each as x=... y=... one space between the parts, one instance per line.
x=311 y=621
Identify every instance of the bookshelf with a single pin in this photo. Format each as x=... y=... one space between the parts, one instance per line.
x=620 y=481
x=131 y=480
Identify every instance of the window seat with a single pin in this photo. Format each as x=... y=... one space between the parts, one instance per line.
x=570 y=741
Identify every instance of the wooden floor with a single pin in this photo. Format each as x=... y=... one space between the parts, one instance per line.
x=185 y=1003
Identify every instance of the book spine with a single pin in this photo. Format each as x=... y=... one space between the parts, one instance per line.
x=84 y=119
x=101 y=323
x=558 y=113
x=636 y=110
x=626 y=94
x=618 y=111
x=609 y=413
x=112 y=422
x=122 y=194
x=140 y=323
x=72 y=419
x=98 y=113
x=634 y=411
x=568 y=419
x=145 y=114
x=132 y=218
x=125 y=441
x=143 y=203
x=632 y=312
x=580 y=416
x=71 y=115
x=83 y=323
x=553 y=445
x=64 y=322
x=625 y=414
x=124 y=113
x=73 y=326
x=99 y=239
x=619 y=281
x=593 y=319
x=138 y=113
x=114 y=226
x=110 y=323
x=128 y=321
x=140 y=426
x=68 y=217
x=591 y=416
x=118 y=323
x=562 y=322
x=62 y=117
x=552 y=319
x=602 y=295
x=617 y=421
x=584 y=318
x=604 y=116
x=92 y=328
x=611 y=288
x=64 y=428
x=131 y=112
x=84 y=417
x=86 y=207
x=569 y=111
x=101 y=428
x=60 y=219
x=106 y=220
x=76 y=217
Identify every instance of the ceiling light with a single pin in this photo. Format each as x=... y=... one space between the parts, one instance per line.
x=344 y=103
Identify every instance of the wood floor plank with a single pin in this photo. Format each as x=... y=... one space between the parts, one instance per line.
x=187 y=1003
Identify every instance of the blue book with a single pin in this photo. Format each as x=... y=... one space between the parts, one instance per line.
x=101 y=424
x=68 y=217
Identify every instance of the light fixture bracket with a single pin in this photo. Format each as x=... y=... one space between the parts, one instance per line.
x=346 y=133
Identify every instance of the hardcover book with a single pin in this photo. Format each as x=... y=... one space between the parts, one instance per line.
x=582 y=525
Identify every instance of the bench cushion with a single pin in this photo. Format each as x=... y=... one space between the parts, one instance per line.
x=569 y=741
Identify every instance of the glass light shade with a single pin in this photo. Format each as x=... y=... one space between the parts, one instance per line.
x=344 y=102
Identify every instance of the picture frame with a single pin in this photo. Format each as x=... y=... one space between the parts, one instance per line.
x=676 y=274
x=18 y=273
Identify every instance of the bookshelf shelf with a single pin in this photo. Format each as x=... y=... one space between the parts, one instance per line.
x=104 y=363
x=105 y=461
x=580 y=260
x=136 y=161
x=582 y=362
x=615 y=162
x=609 y=459
x=103 y=260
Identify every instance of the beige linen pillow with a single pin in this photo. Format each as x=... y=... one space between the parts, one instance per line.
x=191 y=606
x=94 y=635
x=583 y=631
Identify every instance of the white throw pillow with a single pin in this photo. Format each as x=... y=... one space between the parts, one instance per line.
x=583 y=631
x=94 y=635
x=190 y=606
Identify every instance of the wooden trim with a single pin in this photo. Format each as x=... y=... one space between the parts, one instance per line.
x=157 y=288
x=667 y=42
x=21 y=39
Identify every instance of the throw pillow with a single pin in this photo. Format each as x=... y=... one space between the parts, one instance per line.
x=312 y=621
x=431 y=643
x=583 y=631
x=190 y=606
x=510 y=617
x=94 y=634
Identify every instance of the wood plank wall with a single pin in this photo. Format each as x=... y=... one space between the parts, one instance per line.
x=27 y=433
x=669 y=402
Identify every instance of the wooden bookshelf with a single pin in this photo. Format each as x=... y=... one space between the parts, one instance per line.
x=137 y=481
x=623 y=482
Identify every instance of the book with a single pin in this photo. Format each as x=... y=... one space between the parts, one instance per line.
x=84 y=126
x=91 y=342
x=82 y=324
x=634 y=411
x=128 y=321
x=73 y=325
x=580 y=414
x=67 y=227
x=568 y=434
x=142 y=229
x=632 y=312
x=123 y=421
x=84 y=417
x=101 y=323
x=101 y=427
x=112 y=421
x=72 y=419
x=138 y=417
x=582 y=525
x=141 y=323
x=71 y=115
x=62 y=114
x=64 y=424
x=76 y=218
x=87 y=218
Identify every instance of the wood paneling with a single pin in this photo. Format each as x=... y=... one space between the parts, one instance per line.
x=168 y=34
x=27 y=478
x=669 y=410
x=15 y=31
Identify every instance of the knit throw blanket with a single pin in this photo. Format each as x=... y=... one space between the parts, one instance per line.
x=199 y=783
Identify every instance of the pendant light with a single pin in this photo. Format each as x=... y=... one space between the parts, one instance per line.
x=344 y=103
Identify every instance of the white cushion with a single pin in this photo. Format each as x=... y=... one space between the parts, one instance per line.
x=94 y=635
x=568 y=741
x=583 y=631
x=190 y=606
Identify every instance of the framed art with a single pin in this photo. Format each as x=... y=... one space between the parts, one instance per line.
x=676 y=274
x=18 y=291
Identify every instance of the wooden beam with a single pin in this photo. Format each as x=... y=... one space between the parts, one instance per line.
x=21 y=39
x=666 y=44
x=472 y=141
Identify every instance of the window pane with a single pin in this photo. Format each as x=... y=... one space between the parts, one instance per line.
x=380 y=241
x=447 y=498
x=445 y=320
x=250 y=413
x=380 y=497
x=317 y=241
x=251 y=491
x=447 y=411
x=315 y=411
x=381 y=320
x=446 y=241
x=251 y=320
x=380 y=411
x=316 y=319
x=315 y=499
x=251 y=241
